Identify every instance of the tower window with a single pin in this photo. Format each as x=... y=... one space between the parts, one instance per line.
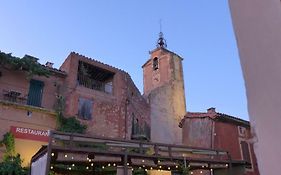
x=155 y=63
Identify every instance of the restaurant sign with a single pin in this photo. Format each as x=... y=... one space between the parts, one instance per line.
x=30 y=134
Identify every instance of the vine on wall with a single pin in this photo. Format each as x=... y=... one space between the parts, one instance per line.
x=67 y=124
x=11 y=163
x=26 y=63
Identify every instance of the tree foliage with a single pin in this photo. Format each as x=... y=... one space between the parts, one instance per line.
x=11 y=163
x=27 y=63
x=70 y=124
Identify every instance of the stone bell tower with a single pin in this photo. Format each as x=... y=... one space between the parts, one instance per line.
x=164 y=90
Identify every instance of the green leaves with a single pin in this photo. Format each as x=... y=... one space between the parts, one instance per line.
x=71 y=125
x=27 y=63
x=67 y=124
x=12 y=165
x=9 y=142
x=11 y=162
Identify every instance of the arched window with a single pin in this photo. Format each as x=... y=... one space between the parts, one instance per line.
x=155 y=63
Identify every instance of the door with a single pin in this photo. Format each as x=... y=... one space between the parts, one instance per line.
x=35 y=93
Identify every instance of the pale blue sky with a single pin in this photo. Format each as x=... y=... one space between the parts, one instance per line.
x=121 y=33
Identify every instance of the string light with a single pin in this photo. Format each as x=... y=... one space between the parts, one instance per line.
x=53 y=154
x=92 y=164
x=160 y=166
x=128 y=164
x=151 y=168
x=142 y=160
x=87 y=168
x=102 y=167
x=114 y=164
x=52 y=167
x=191 y=172
x=65 y=155
x=201 y=172
x=73 y=165
x=177 y=166
x=169 y=168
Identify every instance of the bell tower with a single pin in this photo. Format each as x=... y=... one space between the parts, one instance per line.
x=164 y=90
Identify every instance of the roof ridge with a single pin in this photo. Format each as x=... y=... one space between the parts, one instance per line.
x=233 y=117
x=92 y=59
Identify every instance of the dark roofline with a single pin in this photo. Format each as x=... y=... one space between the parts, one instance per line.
x=218 y=117
x=55 y=70
x=228 y=118
x=99 y=62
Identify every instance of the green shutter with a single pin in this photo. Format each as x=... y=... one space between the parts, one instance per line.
x=35 y=93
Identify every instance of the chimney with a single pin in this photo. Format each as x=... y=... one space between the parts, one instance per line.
x=49 y=64
x=211 y=110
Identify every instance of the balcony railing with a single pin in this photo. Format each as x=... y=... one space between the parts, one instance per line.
x=20 y=97
x=14 y=96
x=90 y=83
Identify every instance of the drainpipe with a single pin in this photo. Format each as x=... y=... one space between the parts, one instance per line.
x=213 y=135
x=126 y=118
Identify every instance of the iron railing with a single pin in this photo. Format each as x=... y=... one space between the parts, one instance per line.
x=14 y=96
x=90 y=83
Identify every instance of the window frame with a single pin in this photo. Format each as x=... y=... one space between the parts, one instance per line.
x=250 y=154
x=82 y=103
x=155 y=63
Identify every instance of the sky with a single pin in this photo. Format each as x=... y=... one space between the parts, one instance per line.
x=121 y=33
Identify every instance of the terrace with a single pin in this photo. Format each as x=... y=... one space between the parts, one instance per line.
x=76 y=154
x=95 y=78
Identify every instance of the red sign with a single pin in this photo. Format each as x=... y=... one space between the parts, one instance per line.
x=30 y=134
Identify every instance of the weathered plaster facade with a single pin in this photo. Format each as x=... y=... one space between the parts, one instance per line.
x=220 y=131
x=112 y=111
x=18 y=113
x=164 y=90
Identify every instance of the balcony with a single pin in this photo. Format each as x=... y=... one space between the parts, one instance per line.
x=94 y=77
x=20 y=99
x=90 y=83
x=14 y=97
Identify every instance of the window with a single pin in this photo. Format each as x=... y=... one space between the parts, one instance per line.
x=139 y=131
x=246 y=152
x=35 y=93
x=155 y=63
x=242 y=131
x=85 y=109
